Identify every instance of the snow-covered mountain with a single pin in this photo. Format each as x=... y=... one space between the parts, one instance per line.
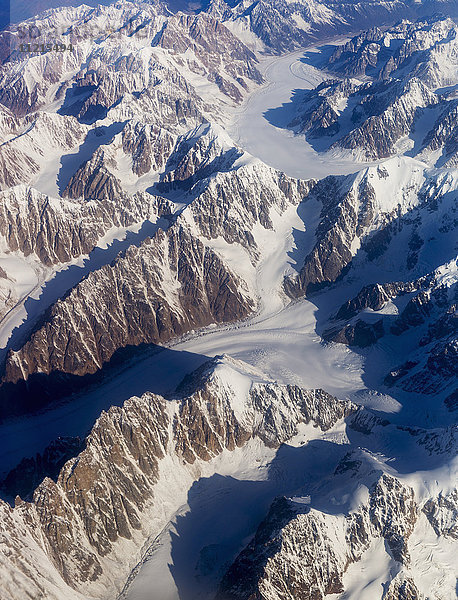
x=286 y=25
x=81 y=534
x=396 y=94
x=312 y=316
x=303 y=552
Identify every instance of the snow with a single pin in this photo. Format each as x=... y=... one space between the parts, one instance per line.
x=433 y=562
x=189 y=556
x=301 y=23
x=21 y=272
x=193 y=543
x=279 y=249
x=38 y=287
x=366 y=579
x=237 y=383
x=237 y=259
x=25 y=277
x=285 y=347
x=157 y=371
x=396 y=182
x=278 y=147
x=241 y=28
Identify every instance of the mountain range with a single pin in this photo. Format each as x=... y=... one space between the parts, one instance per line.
x=220 y=379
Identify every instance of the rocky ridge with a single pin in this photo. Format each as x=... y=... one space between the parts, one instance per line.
x=180 y=282
x=56 y=230
x=152 y=128
x=365 y=218
x=130 y=84
x=284 y=26
x=425 y=310
x=304 y=552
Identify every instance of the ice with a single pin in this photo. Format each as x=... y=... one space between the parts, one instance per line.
x=285 y=347
x=278 y=147
x=433 y=562
x=189 y=555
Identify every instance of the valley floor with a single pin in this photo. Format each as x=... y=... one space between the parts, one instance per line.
x=219 y=518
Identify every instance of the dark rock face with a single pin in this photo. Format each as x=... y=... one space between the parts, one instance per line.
x=429 y=314
x=444 y=134
x=171 y=284
x=392 y=511
x=373 y=136
x=373 y=52
x=149 y=145
x=57 y=230
x=207 y=38
x=403 y=588
x=360 y=334
x=350 y=217
x=332 y=253
x=285 y=26
x=319 y=115
x=431 y=369
x=375 y=296
x=129 y=449
x=446 y=324
x=197 y=156
x=30 y=472
x=242 y=578
x=233 y=203
x=372 y=296
x=442 y=513
x=21 y=154
x=93 y=181
x=400 y=372
x=440 y=369
x=359 y=56
x=417 y=310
